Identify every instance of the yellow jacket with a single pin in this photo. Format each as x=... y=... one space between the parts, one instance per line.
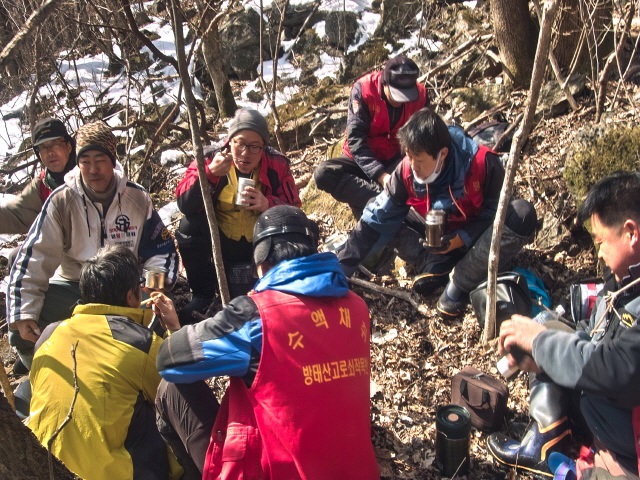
x=112 y=432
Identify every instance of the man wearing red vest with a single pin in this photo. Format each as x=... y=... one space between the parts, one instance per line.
x=297 y=351
x=381 y=102
x=445 y=170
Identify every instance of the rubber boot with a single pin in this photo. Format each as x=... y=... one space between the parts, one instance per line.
x=549 y=431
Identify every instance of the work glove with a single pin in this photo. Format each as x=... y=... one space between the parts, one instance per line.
x=450 y=241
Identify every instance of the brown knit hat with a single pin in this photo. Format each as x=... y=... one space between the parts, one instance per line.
x=96 y=136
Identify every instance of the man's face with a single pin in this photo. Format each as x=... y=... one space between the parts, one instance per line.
x=246 y=149
x=615 y=246
x=55 y=154
x=424 y=164
x=96 y=170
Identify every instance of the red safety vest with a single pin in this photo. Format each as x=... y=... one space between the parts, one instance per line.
x=470 y=204
x=382 y=138
x=307 y=414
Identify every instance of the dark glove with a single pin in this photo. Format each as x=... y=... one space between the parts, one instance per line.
x=445 y=242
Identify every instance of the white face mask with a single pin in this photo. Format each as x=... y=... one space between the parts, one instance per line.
x=434 y=175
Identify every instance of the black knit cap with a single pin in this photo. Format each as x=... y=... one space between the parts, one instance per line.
x=48 y=129
x=282 y=223
x=401 y=74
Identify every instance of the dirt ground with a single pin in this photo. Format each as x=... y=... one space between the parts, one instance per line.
x=414 y=355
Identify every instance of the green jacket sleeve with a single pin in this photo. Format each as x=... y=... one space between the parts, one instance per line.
x=17 y=214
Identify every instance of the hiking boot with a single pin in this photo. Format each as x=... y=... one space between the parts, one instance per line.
x=449 y=308
x=532 y=452
x=427 y=283
x=194 y=311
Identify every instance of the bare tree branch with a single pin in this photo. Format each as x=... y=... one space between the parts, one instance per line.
x=519 y=139
x=76 y=390
x=133 y=27
x=35 y=19
x=197 y=147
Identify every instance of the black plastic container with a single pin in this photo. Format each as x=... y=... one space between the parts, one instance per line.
x=453 y=425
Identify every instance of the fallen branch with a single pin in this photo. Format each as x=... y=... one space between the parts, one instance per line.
x=401 y=294
x=486 y=114
x=76 y=390
x=13 y=170
x=459 y=51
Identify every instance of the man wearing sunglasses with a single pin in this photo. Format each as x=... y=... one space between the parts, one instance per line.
x=244 y=154
x=56 y=149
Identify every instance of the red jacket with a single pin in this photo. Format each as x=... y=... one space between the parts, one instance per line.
x=469 y=205
x=307 y=413
x=382 y=138
x=277 y=182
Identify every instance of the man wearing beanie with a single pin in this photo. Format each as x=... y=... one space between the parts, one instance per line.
x=244 y=154
x=56 y=150
x=381 y=102
x=97 y=206
x=297 y=351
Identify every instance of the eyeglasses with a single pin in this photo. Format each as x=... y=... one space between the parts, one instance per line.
x=49 y=146
x=252 y=148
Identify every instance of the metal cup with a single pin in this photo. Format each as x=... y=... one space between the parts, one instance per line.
x=154 y=277
x=243 y=183
x=436 y=221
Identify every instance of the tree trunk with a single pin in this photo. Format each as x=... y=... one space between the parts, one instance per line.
x=212 y=54
x=584 y=34
x=516 y=36
x=22 y=456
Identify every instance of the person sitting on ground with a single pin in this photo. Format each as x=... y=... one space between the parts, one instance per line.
x=300 y=340
x=245 y=153
x=55 y=148
x=97 y=206
x=591 y=375
x=106 y=350
x=381 y=102
x=446 y=170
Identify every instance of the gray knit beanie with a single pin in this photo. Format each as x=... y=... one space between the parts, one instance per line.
x=248 y=119
x=96 y=136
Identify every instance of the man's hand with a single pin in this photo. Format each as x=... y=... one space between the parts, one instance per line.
x=383 y=179
x=221 y=163
x=516 y=339
x=253 y=199
x=524 y=362
x=163 y=306
x=28 y=330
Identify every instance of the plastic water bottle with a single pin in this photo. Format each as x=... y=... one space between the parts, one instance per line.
x=546 y=315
